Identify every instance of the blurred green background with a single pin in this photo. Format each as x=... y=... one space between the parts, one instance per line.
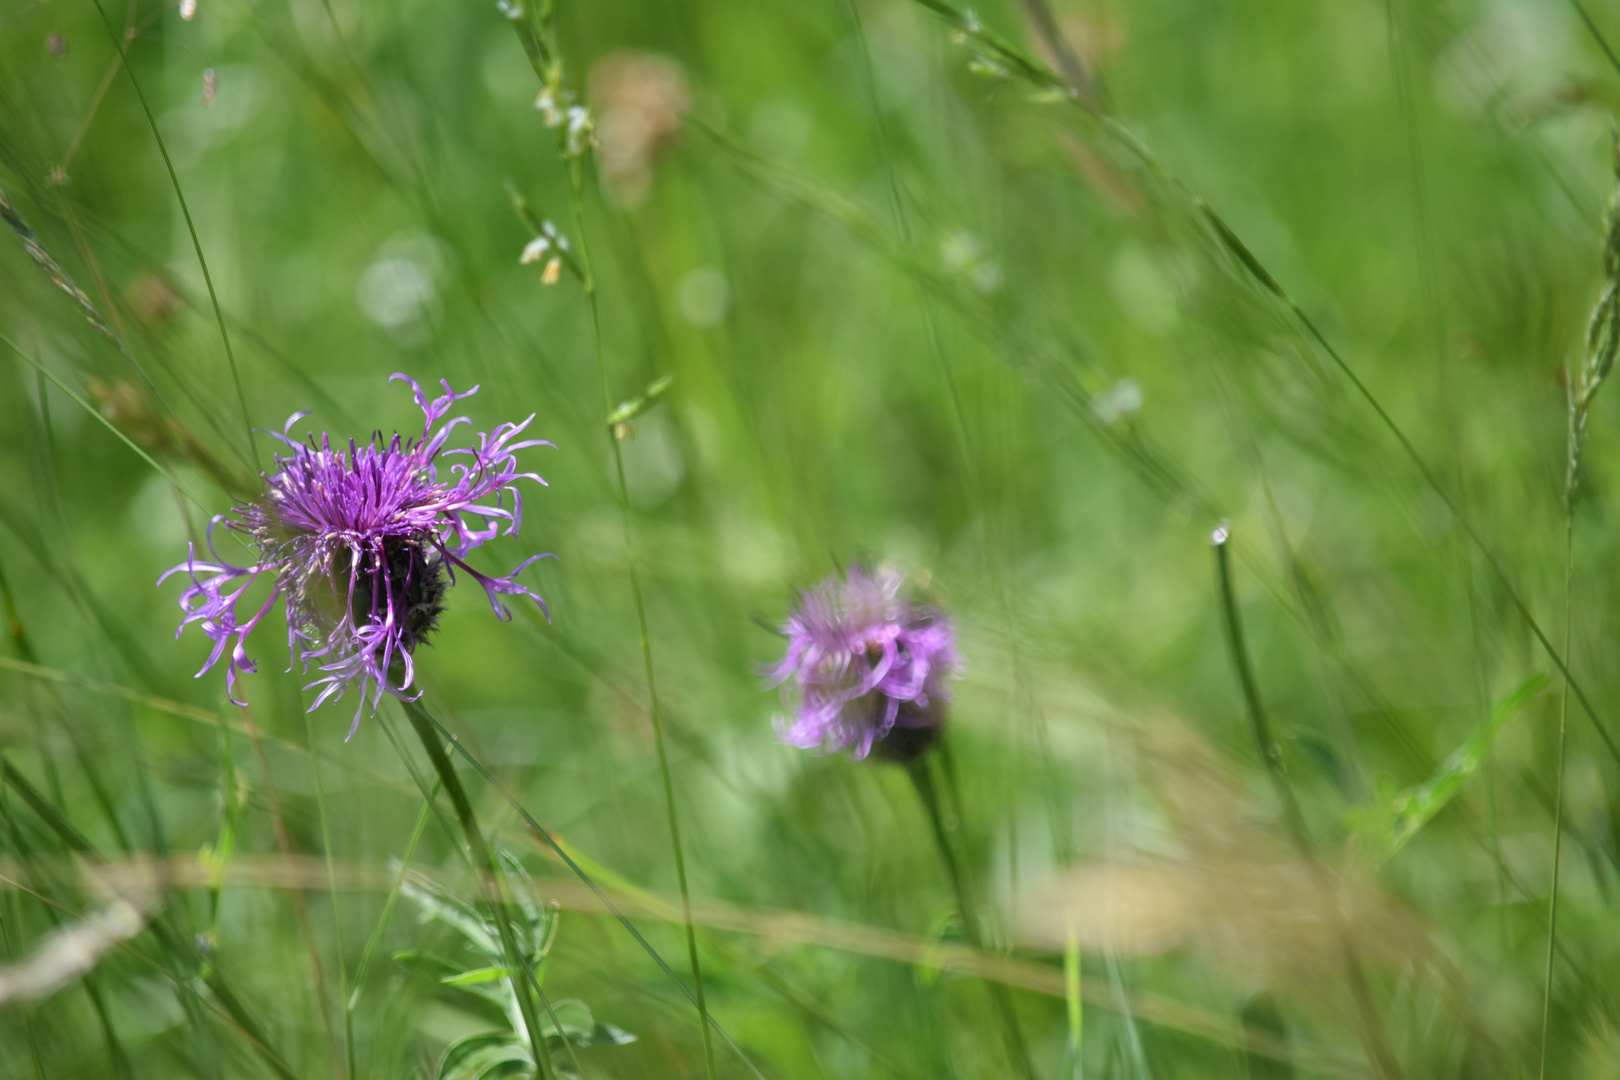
x=919 y=307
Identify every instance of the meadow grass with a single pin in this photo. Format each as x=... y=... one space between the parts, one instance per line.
x=1029 y=300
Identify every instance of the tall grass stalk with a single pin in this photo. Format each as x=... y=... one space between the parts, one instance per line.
x=121 y=43
x=1602 y=345
x=921 y=773
x=1374 y=1037
x=92 y=983
x=576 y=178
x=1129 y=1046
x=78 y=400
x=1558 y=784
x=1033 y=71
x=537 y=33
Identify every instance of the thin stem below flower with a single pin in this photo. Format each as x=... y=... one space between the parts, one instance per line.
x=545 y=837
x=488 y=871
x=922 y=778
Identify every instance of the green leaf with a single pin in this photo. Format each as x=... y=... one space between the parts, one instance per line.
x=480 y=999
x=607 y=1035
x=629 y=410
x=454 y=912
x=501 y=1069
x=490 y=1054
x=476 y=976
x=1398 y=815
x=575 y=1019
x=434 y=967
x=540 y=919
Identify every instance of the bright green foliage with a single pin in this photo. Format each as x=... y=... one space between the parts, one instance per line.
x=868 y=280
x=1385 y=827
x=487 y=991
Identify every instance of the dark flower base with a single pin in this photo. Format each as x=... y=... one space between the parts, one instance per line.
x=915 y=732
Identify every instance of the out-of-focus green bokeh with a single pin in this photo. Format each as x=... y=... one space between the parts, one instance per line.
x=919 y=308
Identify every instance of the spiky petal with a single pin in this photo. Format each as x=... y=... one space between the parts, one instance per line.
x=361 y=543
x=869 y=667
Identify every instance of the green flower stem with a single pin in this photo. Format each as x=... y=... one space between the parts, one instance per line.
x=483 y=856
x=545 y=837
x=922 y=777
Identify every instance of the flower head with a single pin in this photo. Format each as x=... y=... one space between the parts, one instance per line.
x=361 y=545
x=869 y=666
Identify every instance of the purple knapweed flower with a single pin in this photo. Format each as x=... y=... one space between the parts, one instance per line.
x=869 y=667
x=361 y=546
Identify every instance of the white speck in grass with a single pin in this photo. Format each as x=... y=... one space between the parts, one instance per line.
x=394 y=291
x=704 y=297
x=399 y=291
x=550 y=111
x=535 y=249
x=581 y=130
x=959 y=251
x=207 y=123
x=1120 y=401
x=552 y=271
x=548 y=239
x=210 y=86
x=964 y=253
x=188 y=9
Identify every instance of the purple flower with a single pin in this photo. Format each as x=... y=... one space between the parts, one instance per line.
x=869 y=666
x=362 y=545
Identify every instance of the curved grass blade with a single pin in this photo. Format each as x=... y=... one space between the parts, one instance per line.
x=119 y=43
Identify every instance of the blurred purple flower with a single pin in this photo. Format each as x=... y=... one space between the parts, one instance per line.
x=869 y=667
x=361 y=546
